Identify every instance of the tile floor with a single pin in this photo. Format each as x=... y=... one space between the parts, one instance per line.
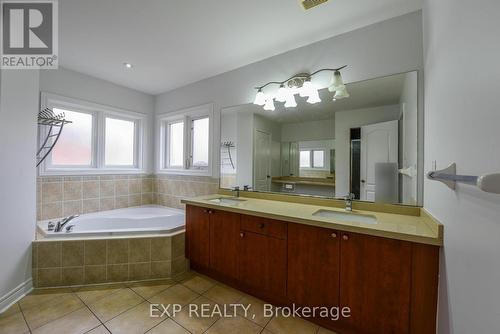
x=125 y=309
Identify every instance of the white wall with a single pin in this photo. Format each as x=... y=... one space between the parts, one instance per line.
x=81 y=86
x=409 y=142
x=19 y=102
x=313 y=130
x=462 y=117
x=384 y=48
x=344 y=121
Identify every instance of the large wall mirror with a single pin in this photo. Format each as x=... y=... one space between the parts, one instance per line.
x=366 y=144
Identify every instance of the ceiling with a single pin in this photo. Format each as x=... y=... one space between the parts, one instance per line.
x=363 y=94
x=175 y=43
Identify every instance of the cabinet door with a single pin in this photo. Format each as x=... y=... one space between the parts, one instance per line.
x=262 y=264
x=197 y=236
x=224 y=238
x=313 y=266
x=375 y=282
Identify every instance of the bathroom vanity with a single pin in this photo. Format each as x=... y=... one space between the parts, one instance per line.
x=385 y=271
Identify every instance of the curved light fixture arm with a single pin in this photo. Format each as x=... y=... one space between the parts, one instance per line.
x=299 y=76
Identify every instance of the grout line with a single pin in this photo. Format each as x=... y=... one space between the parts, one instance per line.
x=24 y=317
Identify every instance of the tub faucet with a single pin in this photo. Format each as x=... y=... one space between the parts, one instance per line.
x=348 y=202
x=64 y=221
x=236 y=190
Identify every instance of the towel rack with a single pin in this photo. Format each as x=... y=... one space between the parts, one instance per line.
x=487 y=182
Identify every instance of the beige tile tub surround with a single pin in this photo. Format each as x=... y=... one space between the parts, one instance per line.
x=84 y=262
x=59 y=196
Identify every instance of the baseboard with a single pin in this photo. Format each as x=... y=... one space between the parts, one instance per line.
x=15 y=295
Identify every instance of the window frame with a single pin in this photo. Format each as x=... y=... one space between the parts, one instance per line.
x=100 y=113
x=311 y=158
x=187 y=116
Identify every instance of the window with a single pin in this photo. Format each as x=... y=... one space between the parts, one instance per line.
x=119 y=141
x=312 y=159
x=185 y=141
x=99 y=139
x=74 y=147
x=176 y=144
x=199 y=143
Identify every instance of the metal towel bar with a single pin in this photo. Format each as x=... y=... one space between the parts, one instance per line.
x=488 y=182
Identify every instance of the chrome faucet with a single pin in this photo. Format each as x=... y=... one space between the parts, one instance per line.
x=64 y=221
x=246 y=187
x=348 y=201
x=237 y=190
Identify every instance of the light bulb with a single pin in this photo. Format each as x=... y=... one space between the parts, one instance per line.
x=260 y=98
x=341 y=93
x=314 y=98
x=337 y=82
x=281 y=94
x=290 y=101
x=269 y=105
x=307 y=89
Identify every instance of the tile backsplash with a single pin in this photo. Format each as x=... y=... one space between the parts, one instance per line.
x=60 y=196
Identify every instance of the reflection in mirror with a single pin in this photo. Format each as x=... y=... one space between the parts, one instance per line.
x=365 y=144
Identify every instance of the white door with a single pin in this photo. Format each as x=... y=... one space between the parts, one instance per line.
x=262 y=161
x=379 y=143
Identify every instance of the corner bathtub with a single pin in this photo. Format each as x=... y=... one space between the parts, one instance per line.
x=148 y=219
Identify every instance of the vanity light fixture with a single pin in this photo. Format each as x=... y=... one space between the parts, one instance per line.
x=300 y=84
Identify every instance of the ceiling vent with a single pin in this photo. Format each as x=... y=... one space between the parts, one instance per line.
x=308 y=4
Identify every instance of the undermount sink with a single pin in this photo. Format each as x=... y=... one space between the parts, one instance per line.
x=227 y=200
x=346 y=216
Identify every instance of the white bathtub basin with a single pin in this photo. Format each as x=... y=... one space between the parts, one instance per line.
x=346 y=216
x=147 y=219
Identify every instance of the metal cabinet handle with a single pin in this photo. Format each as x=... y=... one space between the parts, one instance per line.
x=333 y=235
x=242 y=234
x=261 y=225
x=345 y=237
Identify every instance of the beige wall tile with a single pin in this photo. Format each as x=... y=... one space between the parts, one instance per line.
x=139 y=271
x=161 y=269
x=134 y=186
x=147 y=199
x=49 y=254
x=179 y=266
x=72 y=276
x=72 y=190
x=72 y=253
x=72 y=208
x=134 y=200
x=90 y=205
x=117 y=250
x=107 y=203
x=90 y=189
x=95 y=252
x=161 y=249
x=94 y=274
x=49 y=277
x=121 y=202
x=34 y=255
x=51 y=192
x=107 y=188
x=178 y=245
x=121 y=187
x=147 y=185
x=140 y=250
x=52 y=210
x=117 y=273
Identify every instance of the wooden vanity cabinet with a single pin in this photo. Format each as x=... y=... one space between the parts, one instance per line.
x=375 y=283
x=389 y=285
x=263 y=256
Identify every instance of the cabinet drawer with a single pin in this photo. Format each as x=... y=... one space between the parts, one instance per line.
x=269 y=227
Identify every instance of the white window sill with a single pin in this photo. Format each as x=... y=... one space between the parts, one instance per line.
x=94 y=171
x=184 y=172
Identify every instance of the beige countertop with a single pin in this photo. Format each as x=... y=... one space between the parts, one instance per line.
x=422 y=229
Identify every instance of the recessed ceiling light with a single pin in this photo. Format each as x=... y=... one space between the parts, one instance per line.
x=128 y=65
